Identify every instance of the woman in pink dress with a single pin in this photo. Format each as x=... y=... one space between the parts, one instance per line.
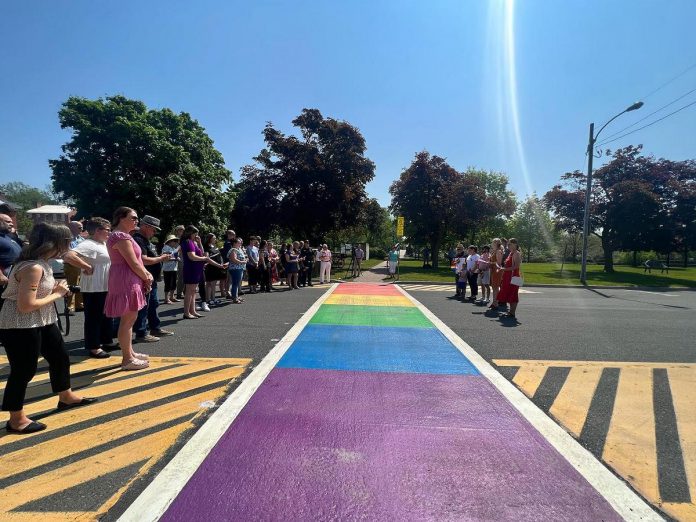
x=128 y=282
x=509 y=293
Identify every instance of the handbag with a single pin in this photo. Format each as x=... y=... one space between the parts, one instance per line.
x=517 y=281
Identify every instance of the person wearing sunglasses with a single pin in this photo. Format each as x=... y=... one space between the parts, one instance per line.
x=128 y=284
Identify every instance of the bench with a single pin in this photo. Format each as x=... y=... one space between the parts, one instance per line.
x=653 y=263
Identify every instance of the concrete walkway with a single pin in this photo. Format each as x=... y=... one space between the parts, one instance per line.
x=376 y=274
x=372 y=413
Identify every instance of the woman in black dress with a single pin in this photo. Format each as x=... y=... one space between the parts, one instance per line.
x=215 y=271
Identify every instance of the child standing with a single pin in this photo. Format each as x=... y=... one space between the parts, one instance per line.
x=484 y=277
x=472 y=271
x=459 y=267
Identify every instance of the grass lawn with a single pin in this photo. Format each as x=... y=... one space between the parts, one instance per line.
x=366 y=265
x=550 y=273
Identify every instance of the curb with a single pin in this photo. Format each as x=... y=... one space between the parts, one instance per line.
x=590 y=287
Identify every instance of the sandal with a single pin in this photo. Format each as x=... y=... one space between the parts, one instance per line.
x=142 y=356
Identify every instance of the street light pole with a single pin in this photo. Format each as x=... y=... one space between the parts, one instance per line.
x=588 y=190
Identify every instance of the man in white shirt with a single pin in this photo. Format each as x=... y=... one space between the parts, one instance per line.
x=325 y=266
x=472 y=272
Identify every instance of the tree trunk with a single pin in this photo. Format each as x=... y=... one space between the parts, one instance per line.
x=635 y=258
x=686 y=257
x=435 y=251
x=669 y=256
x=608 y=256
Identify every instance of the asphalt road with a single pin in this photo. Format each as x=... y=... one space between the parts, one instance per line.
x=611 y=327
x=578 y=324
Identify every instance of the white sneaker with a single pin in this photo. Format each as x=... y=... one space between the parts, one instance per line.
x=199 y=307
x=205 y=307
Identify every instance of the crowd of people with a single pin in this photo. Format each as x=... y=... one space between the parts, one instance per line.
x=112 y=269
x=495 y=271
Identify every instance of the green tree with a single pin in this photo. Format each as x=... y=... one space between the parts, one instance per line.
x=533 y=227
x=156 y=161
x=422 y=194
x=628 y=194
x=307 y=186
x=27 y=197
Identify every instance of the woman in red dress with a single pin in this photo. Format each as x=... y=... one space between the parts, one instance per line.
x=509 y=292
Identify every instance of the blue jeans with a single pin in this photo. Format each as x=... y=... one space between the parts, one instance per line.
x=235 y=281
x=147 y=316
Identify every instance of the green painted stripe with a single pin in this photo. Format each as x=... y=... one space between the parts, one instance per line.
x=404 y=316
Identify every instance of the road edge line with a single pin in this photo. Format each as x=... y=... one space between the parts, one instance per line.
x=156 y=498
x=627 y=503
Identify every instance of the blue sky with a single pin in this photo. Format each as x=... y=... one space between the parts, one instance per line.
x=411 y=75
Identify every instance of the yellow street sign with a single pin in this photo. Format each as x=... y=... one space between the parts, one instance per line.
x=400 y=226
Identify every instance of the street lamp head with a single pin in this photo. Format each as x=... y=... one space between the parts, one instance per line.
x=635 y=107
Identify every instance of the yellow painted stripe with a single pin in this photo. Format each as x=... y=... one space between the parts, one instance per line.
x=100 y=408
x=368 y=300
x=528 y=378
x=50 y=516
x=630 y=447
x=683 y=385
x=86 y=470
x=573 y=402
x=590 y=364
x=54 y=449
x=680 y=511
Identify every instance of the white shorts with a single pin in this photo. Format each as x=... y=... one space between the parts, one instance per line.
x=484 y=278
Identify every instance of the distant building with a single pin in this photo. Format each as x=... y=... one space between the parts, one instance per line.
x=59 y=214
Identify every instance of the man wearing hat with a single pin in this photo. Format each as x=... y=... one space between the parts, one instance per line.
x=147 y=316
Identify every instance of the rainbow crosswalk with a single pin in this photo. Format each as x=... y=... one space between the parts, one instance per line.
x=373 y=414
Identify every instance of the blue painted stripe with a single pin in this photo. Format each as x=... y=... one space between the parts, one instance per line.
x=376 y=349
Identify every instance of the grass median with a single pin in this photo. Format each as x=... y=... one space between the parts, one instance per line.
x=551 y=273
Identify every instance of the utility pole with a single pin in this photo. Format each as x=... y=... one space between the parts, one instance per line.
x=588 y=198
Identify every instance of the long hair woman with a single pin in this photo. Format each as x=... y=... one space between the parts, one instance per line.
x=495 y=260
x=509 y=293
x=28 y=326
x=194 y=264
x=215 y=270
x=128 y=284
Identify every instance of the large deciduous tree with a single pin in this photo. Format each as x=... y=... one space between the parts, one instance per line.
x=441 y=204
x=532 y=226
x=637 y=203
x=156 y=161
x=306 y=186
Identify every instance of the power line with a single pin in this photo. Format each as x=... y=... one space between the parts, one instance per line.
x=649 y=124
x=651 y=114
x=692 y=66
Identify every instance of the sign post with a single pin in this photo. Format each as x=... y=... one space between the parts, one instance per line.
x=399 y=227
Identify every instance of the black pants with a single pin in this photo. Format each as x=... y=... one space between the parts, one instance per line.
x=98 y=327
x=252 y=275
x=265 y=279
x=169 y=282
x=23 y=346
x=473 y=283
x=201 y=291
x=307 y=277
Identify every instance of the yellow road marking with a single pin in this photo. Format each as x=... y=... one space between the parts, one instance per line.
x=368 y=300
x=589 y=364
x=528 y=378
x=573 y=401
x=57 y=448
x=100 y=408
x=630 y=447
x=147 y=448
x=87 y=469
x=683 y=385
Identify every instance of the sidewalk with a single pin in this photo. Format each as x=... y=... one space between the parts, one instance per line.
x=374 y=412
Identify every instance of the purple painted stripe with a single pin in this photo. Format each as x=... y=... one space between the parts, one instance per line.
x=324 y=444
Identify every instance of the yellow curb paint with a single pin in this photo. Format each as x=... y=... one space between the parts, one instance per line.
x=60 y=447
x=368 y=300
x=149 y=448
x=590 y=364
x=683 y=386
x=573 y=402
x=88 y=469
x=630 y=446
x=528 y=378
